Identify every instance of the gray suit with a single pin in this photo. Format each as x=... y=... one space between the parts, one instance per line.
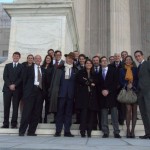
x=144 y=94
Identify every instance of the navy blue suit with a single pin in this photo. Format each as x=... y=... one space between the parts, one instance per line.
x=65 y=102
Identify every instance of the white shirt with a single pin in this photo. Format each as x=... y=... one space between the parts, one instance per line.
x=142 y=61
x=36 y=74
x=106 y=69
x=15 y=63
x=98 y=67
x=54 y=61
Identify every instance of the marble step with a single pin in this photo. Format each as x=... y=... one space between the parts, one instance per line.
x=51 y=132
x=76 y=126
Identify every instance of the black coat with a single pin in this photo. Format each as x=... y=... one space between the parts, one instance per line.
x=117 y=75
x=84 y=98
x=12 y=76
x=110 y=84
x=28 y=82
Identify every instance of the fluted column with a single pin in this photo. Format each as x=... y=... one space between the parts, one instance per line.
x=104 y=28
x=135 y=22
x=97 y=27
x=119 y=26
x=80 y=7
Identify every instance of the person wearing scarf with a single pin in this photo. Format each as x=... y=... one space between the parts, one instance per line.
x=128 y=79
x=66 y=97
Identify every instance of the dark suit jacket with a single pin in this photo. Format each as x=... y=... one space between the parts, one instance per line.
x=117 y=74
x=28 y=81
x=12 y=76
x=67 y=86
x=144 y=77
x=108 y=84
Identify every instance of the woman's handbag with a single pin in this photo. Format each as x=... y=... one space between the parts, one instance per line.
x=127 y=96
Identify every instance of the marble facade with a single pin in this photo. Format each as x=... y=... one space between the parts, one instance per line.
x=38 y=25
x=93 y=27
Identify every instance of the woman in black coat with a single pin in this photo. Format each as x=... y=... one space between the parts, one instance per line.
x=86 y=99
x=48 y=67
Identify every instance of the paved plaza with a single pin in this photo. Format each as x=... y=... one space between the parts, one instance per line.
x=15 y=142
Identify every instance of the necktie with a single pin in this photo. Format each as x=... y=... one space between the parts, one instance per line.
x=15 y=65
x=117 y=65
x=139 y=67
x=96 y=70
x=103 y=73
x=56 y=64
x=82 y=67
x=39 y=78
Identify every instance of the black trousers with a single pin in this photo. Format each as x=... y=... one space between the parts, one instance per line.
x=13 y=97
x=121 y=112
x=31 y=111
x=87 y=119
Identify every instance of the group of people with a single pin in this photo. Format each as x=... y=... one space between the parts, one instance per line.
x=80 y=85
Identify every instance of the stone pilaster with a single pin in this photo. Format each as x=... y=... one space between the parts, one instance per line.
x=135 y=22
x=119 y=26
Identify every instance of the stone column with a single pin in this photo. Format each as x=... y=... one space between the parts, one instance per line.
x=135 y=22
x=145 y=26
x=97 y=27
x=104 y=28
x=119 y=26
x=80 y=8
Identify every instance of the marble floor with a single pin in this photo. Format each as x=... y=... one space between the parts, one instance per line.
x=15 y=142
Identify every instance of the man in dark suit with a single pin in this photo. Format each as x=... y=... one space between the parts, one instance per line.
x=33 y=93
x=66 y=97
x=144 y=91
x=54 y=86
x=121 y=107
x=107 y=86
x=82 y=59
x=58 y=58
x=76 y=60
x=80 y=65
x=97 y=67
x=12 y=90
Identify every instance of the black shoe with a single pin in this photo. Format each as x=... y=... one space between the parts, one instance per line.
x=53 y=122
x=14 y=127
x=40 y=120
x=121 y=123
x=89 y=134
x=57 y=134
x=117 y=136
x=82 y=133
x=105 y=135
x=77 y=122
x=132 y=135
x=128 y=134
x=45 y=120
x=31 y=134
x=68 y=134
x=145 y=137
x=21 y=134
x=4 y=126
x=95 y=128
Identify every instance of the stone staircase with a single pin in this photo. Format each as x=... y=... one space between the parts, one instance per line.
x=49 y=129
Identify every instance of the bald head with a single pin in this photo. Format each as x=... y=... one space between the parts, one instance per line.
x=37 y=60
x=117 y=57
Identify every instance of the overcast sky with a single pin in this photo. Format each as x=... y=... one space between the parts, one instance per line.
x=6 y=1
